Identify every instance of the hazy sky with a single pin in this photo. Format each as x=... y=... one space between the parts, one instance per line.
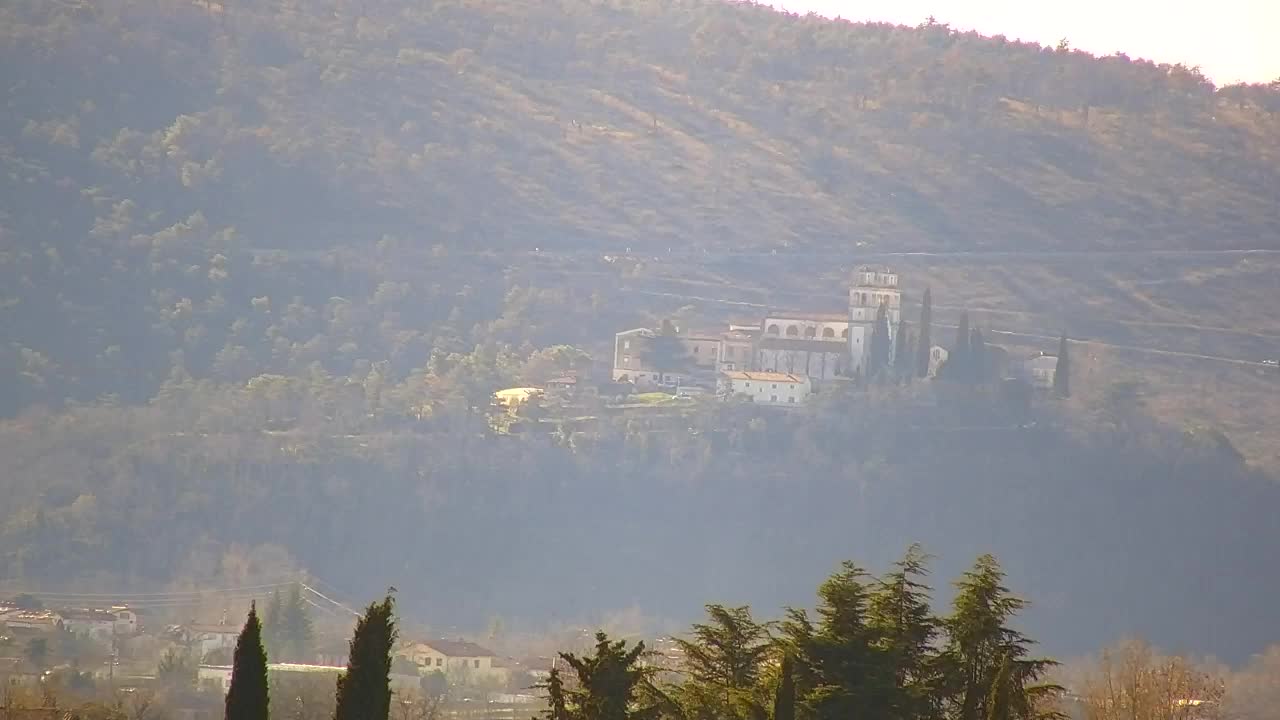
x=1231 y=40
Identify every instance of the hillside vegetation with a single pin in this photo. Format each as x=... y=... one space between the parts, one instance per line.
x=263 y=264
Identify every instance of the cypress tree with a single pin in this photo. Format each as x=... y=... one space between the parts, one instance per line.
x=247 y=698
x=924 y=342
x=977 y=357
x=1062 y=373
x=784 y=701
x=902 y=360
x=958 y=366
x=881 y=344
x=296 y=634
x=364 y=691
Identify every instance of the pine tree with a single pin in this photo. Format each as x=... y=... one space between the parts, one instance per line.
x=979 y=640
x=557 y=704
x=836 y=658
x=998 y=705
x=608 y=681
x=925 y=341
x=247 y=699
x=1062 y=373
x=902 y=360
x=903 y=627
x=364 y=691
x=724 y=659
x=784 y=701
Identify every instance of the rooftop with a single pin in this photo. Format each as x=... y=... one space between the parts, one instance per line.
x=458 y=648
x=811 y=316
x=763 y=376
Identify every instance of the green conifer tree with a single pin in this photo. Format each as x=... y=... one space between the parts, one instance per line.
x=978 y=370
x=957 y=367
x=557 y=701
x=903 y=361
x=723 y=660
x=784 y=701
x=925 y=341
x=1062 y=373
x=979 y=639
x=364 y=691
x=881 y=349
x=297 y=637
x=608 y=682
x=248 y=699
x=903 y=627
x=273 y=625
x=998 y=705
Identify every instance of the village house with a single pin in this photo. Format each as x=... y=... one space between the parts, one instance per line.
x=767 y=388
x=1039 y=370
x=462 y=662
x=207 y=638
x=937 y=357
x=35 y=621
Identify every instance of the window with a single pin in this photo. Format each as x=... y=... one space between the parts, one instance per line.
x=793 y=331
x=626 y=359
x=828 y=333
x=695 y=349
x=810 y=332
x=626 y=344
x=477 y=664
x=791 y=399
x=845 y=333
x=773 y=330
x=773 y=398
x=439 y=662
x=775 y=386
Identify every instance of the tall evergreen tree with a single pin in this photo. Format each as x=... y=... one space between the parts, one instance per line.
x=784 y=701
x=977 y=357
x=881 y=349
x=979 y=639
x=999 y=706
x=925 y=340
x=724 y=659
x=557 y=702
x=903 y=629
x=273 y=625
x=836 y=658
x=608 y=681
x=364 y=691
x=903 y=362
x=247 y=699
x=1062 y=373
x=297 y=637
x=958 y=367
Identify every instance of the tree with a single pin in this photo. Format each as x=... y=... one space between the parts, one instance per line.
x=248 y=698
x=925 y=341
x=273 y=625
x=177 y=669
x=37 y=651
x=958 y=365
x=723 y=660
x=1062 y=372
x=364 y=692
x=979 y=640
x=1131 y=681
x=557 y=703
x=903 y=363
x=784 y=701
x=977 y=357
x=881 y=344
x=903 y=629
x=666 y=352
x=608 y=681
x=297 y=635
x=835 y=658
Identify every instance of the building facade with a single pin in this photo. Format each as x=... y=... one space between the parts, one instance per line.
x=872 y=287
x=768 y=388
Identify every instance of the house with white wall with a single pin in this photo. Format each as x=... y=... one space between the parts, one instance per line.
x=463 y=663
x=767 y=388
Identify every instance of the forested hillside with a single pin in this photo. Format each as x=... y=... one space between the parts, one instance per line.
x=263 y=264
